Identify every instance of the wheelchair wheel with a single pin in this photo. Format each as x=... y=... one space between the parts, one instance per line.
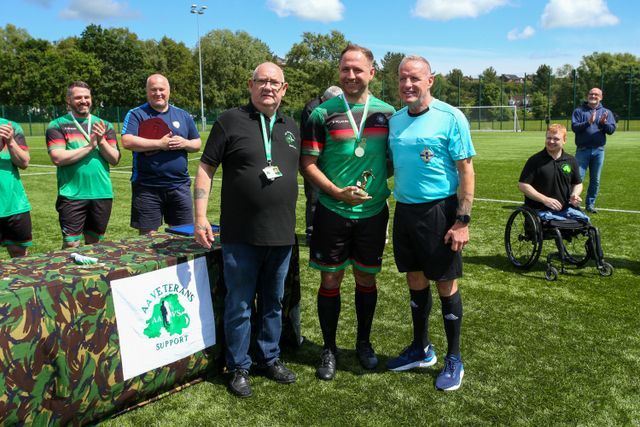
x=578 y=251
x=523 y=238
x=551 y=273
x=605 y=269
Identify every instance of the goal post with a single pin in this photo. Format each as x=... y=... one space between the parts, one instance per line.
x=496 y=118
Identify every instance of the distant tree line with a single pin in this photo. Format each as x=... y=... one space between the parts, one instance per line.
x=115 y=62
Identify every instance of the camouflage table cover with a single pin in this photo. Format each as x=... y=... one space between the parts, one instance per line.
x=59 y=349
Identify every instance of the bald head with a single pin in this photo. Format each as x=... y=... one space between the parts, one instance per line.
x=267 y=87
x=158 y=92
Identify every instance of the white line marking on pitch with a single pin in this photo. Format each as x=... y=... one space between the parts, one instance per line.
x=116 y=170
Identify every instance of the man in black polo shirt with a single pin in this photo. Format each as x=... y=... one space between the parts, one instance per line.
x=259 y=150
x=551 y=180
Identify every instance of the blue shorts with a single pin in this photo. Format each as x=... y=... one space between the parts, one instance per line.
x=149 y=206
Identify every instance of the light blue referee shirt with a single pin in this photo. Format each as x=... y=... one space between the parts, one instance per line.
x=424 y=150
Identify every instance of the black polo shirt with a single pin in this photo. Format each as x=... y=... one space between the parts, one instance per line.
x=254 y=209
x=553 y=178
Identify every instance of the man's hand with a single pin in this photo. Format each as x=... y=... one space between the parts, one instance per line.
x=6 y=133
x=575 y=200
x=592 y=119
x=177 y=143
x=352 y=195
x=603 y=118
x=458 y=236
x=97 y=133
x=203 y=233
x=552 y=204
x=165 y=141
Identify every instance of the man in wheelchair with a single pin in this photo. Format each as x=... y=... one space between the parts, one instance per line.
x=551 y=183
x=551 y=180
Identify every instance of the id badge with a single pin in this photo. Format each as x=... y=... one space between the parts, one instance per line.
x=272 y=172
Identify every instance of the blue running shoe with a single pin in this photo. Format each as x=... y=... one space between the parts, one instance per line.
x=413 y=357
x=450 y=378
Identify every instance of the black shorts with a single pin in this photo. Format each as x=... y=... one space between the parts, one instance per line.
x=337 y=242
x=78 y=217
x=418 y=239
x=15 y=230
x=150 y=205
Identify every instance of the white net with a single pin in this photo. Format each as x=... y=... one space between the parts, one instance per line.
x=492 y=118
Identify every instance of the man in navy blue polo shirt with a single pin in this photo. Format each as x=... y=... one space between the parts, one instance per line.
x=160 y=178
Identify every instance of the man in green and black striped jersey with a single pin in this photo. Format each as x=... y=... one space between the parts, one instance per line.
x=82 y=146
x=15 y=217
x=345 y=155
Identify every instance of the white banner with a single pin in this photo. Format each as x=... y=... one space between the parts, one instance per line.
x=163 y=316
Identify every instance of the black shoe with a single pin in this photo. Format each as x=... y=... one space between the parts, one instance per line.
x=279 y=373
x=592 y=209
x=366 y=355
x=240 y=384
x=327 y=369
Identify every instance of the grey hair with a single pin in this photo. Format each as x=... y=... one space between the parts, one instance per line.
x=414 y=58
x=331 y=92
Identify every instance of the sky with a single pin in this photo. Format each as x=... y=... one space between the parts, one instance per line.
x=512 y=36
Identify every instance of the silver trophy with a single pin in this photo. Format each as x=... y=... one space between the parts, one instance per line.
x=362 y=183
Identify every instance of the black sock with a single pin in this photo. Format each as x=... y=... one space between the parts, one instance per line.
x=328 y=314
x=452 y=316
x=421 y=302
x=365 y=300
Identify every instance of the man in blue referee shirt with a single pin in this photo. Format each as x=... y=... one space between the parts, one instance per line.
x=431 y=149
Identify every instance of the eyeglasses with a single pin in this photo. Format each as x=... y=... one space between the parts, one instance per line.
x=275 y=85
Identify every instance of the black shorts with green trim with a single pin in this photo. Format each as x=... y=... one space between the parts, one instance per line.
x=15 y=230
x=418 y=239
x=78 y=217
x=337 y=242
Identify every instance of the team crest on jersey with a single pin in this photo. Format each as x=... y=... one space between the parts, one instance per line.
x=566 y=168
x=380 y=119
x=176 y=124
x=291 y=140
x=426 y=155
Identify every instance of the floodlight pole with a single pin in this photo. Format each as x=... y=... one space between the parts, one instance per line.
x=199 y=10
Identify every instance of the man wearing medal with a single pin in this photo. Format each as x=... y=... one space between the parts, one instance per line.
x=434 y=182
x=259 y=151
x=345 y=155
x=83 y=147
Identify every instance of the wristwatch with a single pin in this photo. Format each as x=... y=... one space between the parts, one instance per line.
x=464 y=219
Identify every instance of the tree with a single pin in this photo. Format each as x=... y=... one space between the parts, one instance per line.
x=316 y=58
x=388 y=78
x=179 y=65
x=124 y=64
x=541 y=80
x=228 y=61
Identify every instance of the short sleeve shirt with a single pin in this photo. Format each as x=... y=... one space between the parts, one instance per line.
x=254 y=209
x=164 y=169
x=424 y=149
x=553 y=178
x=13 y=199
x=329 y=136
x=88 y=178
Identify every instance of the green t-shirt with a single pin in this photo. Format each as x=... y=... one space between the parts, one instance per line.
x=89 y=177
x=13 y=199
x=329 y=136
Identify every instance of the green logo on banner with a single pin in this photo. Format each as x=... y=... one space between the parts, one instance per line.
x=167 y=314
